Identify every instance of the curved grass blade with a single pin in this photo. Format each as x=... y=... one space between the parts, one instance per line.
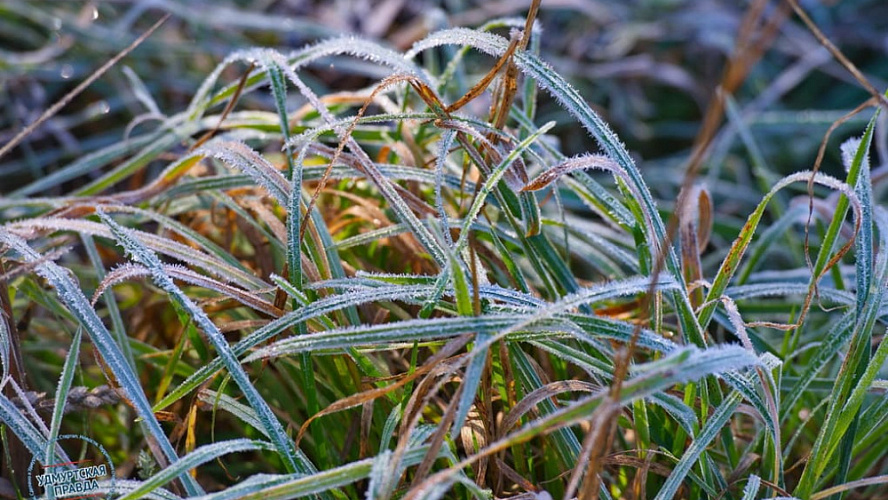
x=71 y=295
x=284 y=487
x=157 y=243
x=197 y=457
x=22 y=428
x=732 y=261
x=292 y=458
x=291 y=319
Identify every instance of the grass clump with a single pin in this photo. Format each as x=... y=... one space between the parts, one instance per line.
x=408 y=290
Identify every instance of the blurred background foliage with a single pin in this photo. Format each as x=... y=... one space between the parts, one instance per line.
x=648 y=66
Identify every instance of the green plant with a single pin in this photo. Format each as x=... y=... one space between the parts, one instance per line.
x=378 y=249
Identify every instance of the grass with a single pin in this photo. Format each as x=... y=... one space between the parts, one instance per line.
x=410 y=285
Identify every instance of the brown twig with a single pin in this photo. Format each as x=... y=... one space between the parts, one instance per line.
x=64 y=101
x=840 y=57
x=230 y=106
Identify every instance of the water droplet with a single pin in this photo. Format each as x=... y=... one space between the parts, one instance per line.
x=103 y=106
x=95 y=13
x=56 y=23
x=67 y=71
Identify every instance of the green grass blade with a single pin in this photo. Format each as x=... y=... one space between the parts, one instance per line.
x=61 y=396
x=197 y=457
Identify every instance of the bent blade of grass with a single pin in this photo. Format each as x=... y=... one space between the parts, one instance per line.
x=363 y=49
x=243 y=157
x=284 y=487
x=315 y=309
x=132 y=271
x=197 y=457
x=574 y=104
x=841 y=209
x=456 y=65
x=169 y=223
x=23 y=430
x=766 y=288
x=732 y=261
x=385 y=336
x=411 y=330
x=118 y=328
x=166 y=246
x=293 y=459
x=395 y=335
x=71 y=295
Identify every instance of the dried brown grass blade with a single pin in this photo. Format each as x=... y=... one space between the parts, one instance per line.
x=695 y=227
x=437 y=439
x=539 y=394
x=840 y=57
x=228 y=107
x=370 y=395
x=479 y=87
x=821 y=151
x=570 y=165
